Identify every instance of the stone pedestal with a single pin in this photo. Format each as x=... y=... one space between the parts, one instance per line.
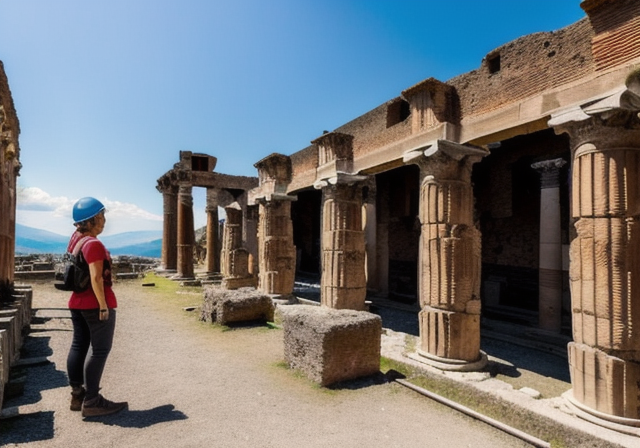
x=225 y=307
x=550 y=270
x=329 y=345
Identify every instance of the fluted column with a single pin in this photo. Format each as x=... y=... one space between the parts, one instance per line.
x=276 y=252
x=185 y=232
x=550 y=265
x=604 y=358
x=343 y=284
x=170 y=228
x=235 y=258
x=450 y=258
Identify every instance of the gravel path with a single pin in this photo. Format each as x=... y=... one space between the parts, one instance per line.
x=193 y=385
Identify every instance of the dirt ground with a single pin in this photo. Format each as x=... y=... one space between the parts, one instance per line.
x=190 y=384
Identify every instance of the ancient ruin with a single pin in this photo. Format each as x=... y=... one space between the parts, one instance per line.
x=15 y=301
x=508 y=191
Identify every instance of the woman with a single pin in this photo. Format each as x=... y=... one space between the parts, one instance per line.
x=93 y=314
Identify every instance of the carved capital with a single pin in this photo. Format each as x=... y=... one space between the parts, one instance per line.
x=593 y=122
x=550 y=172
x=443 y=158
x=334 y=146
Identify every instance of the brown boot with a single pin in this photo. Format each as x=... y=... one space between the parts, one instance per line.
x=77 y=397
x=101 y=406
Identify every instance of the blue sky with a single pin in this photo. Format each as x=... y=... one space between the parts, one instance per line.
x=109 y=92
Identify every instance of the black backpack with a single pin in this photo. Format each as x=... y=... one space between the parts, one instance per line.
x=76 y=276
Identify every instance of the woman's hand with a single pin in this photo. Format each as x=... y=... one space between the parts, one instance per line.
x=104 y=314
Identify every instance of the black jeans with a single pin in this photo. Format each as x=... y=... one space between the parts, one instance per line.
x=92 y=340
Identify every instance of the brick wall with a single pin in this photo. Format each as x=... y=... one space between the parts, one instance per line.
x=527 y=66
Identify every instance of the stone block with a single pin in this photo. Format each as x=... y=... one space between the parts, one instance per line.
x=13 y=335
x=330 y=345
x=224 y=306
x=5 y=359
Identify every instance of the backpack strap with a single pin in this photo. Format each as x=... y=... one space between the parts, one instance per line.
x=79 y=244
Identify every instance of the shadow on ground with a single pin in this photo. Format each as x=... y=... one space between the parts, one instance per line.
x=141 y=419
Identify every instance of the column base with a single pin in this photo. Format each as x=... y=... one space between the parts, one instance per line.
x=238 y=282
x=623 y=425
x=453 y=365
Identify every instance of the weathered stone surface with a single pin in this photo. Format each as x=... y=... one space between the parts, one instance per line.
x=12 y=335
x=451 y=335
x=331 y=345
x=603 y=382
x=225 y=306
x=605 y=256
x=344 y=283
x=276 y=252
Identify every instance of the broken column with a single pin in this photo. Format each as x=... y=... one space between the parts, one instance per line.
x=604 y=357
x=234 y=258
x=276 y=252
x=343 y=283
x=450 y=258
x=550 y=269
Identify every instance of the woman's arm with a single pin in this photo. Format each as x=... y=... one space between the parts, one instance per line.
x=97 y=283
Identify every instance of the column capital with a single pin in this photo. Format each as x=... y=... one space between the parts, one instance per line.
x=437 y=157
x=619 y=109
x=274 y=173
x=550 y=172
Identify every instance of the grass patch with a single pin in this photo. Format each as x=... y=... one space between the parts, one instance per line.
x=559 y=436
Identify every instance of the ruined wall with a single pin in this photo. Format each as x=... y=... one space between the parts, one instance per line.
x=303 y=168
x=9 y=169
x=525 y=67
x=617 y=30
x=376 y=129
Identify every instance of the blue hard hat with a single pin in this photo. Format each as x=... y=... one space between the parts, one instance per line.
x=86 y=208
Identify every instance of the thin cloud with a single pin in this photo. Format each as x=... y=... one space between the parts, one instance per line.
x=34 y=199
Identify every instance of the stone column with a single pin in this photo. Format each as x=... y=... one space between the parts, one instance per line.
x=170 y=228
x=213 y=241
x=604 y=358
x=370 y=226
x=450 y=258
x=235 y=258
x=185 y=232
x=276 y=252
x=550 y=264
x=343 y=284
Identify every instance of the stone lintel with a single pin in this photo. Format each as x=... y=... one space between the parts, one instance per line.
x=339 y=179
x=259 y=197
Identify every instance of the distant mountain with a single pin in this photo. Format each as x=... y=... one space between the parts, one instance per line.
x=37 y=241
